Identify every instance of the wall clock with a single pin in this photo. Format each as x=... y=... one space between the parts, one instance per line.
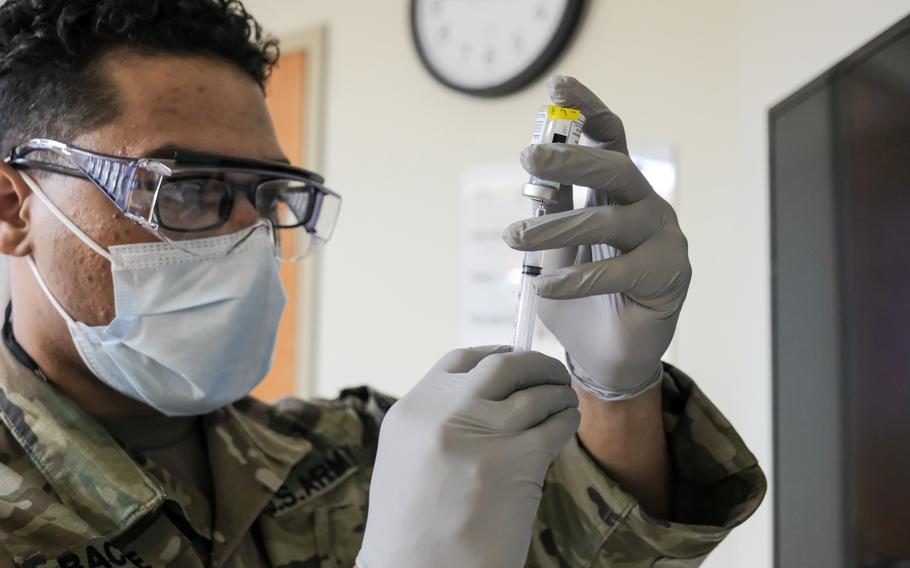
x=491 y=47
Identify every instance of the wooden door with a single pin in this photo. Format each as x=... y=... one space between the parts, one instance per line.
x=286 y=97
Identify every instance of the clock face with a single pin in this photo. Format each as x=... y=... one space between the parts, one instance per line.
x=491 y=47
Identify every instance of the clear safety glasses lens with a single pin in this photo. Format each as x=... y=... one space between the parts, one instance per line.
x=193 y=204
x=286 y=203
x=302 y=213
x=300 y=236
x=183 y=201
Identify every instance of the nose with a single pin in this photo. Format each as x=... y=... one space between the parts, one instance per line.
x=243 y=215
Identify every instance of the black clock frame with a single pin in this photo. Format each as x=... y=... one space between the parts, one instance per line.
x=564 y=33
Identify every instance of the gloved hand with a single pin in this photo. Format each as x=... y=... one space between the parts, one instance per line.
x=462 y=459
x=613 y=291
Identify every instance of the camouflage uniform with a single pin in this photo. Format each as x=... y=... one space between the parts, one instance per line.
x=291 y=482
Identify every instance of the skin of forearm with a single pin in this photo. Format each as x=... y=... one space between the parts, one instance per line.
x=627 y=440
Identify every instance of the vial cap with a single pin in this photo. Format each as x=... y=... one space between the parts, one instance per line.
x=540 y=192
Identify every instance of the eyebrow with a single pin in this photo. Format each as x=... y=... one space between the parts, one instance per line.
x=167 y=151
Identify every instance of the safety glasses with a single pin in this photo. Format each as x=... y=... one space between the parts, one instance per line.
x=181 y=197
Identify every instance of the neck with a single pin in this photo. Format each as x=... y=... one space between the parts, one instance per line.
x=43 y=334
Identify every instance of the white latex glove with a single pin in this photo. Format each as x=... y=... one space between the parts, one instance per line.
x=462 y=459
x=613 y=291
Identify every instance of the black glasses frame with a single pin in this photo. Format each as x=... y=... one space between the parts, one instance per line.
x=117 y=177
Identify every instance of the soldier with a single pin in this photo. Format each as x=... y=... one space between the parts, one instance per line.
x=140 y=201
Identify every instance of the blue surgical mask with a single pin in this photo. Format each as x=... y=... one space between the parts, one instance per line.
x=195 y=323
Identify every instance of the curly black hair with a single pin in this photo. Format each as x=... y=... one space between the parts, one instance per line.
x=51 y=84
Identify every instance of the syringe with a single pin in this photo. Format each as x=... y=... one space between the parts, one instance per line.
x=554 y=124
x=526 y=315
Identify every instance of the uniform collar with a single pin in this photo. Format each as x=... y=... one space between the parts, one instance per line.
x=88 y=471
x=251 y=452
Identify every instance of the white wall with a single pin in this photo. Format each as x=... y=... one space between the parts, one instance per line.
x=699 y=74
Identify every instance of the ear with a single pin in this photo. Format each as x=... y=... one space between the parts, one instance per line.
x=14 y=214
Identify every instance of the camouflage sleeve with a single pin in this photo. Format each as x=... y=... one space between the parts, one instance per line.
x=586 y=519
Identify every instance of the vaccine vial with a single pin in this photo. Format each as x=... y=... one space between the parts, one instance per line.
x=559 y=125
x=554 y=125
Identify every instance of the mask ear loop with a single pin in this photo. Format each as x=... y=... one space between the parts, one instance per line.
x=36 y=189
x=38 y=192
x=47 y=292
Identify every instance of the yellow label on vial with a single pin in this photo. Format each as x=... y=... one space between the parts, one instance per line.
x=562 y=113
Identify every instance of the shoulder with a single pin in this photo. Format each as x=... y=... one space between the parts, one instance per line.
x=351 y=419
x=32 y=516
x=361 y=403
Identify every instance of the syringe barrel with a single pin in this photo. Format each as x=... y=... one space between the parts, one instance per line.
x=526 y=315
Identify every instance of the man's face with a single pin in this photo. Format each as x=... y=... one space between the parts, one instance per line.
x=186 y=102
